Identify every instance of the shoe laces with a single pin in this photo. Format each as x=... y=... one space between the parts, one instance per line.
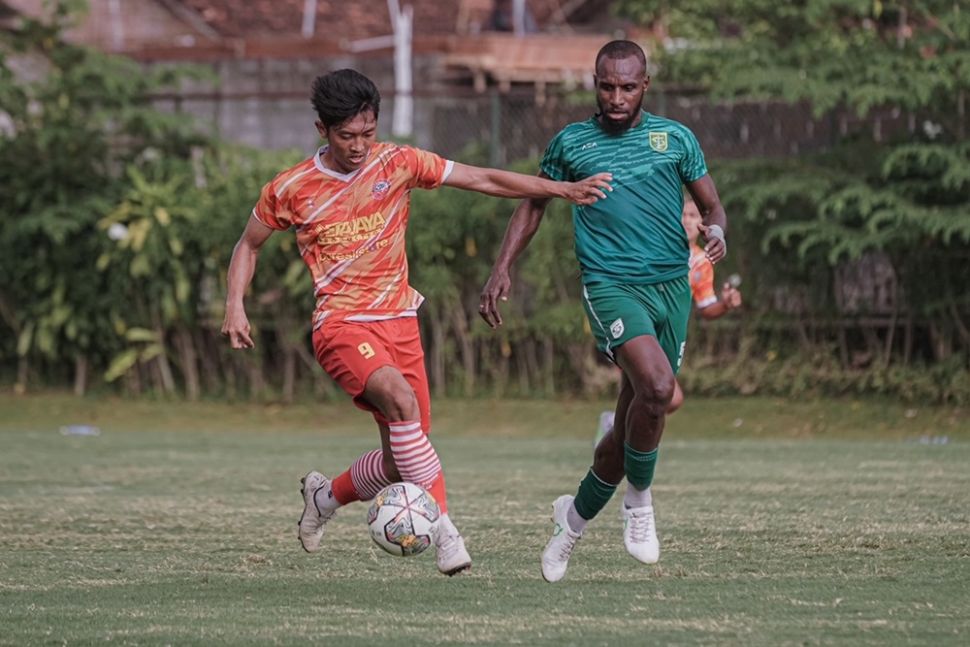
x=448 y=545
x=566 y=545
x=640 y=524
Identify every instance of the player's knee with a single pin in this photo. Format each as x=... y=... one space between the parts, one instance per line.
x=393 y=395
x=655 y=392
x=402 y=404
x=675 y=401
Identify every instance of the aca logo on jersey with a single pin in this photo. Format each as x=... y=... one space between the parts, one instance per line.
x=658 y=141
x=380 y=189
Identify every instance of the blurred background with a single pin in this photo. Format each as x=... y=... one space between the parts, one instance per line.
x=135 y=136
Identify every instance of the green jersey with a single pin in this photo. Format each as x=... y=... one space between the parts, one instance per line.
x=635 y=235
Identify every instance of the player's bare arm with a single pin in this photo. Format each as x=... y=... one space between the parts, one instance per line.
x=714 y=226
x=730 y=299
x=522 y=227
x=506 y=184
x=235 y=326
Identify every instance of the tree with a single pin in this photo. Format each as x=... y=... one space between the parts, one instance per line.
x=68 y=136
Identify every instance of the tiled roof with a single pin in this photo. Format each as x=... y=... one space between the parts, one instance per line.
x=349 y=19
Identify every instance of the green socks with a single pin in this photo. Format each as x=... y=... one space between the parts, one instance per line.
x=593 y=494
x=639 y=466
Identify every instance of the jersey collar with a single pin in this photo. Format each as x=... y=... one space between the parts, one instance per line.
x=318 y=162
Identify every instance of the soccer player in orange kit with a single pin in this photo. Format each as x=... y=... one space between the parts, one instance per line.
x=348 y=207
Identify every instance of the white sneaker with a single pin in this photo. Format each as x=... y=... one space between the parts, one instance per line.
x=452 y=557
x=555 y=558
x=640 y=534
x=312 y=521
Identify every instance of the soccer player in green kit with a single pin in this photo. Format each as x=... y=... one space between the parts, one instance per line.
x=633 y=253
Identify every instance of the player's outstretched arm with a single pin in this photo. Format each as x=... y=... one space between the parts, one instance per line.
x=522 y=227
x=714 y=226
x=235 y=326
x=729 y=299
x=506 y=184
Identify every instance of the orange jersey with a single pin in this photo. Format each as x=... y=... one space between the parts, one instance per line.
x=701 y=278
x=350 y=228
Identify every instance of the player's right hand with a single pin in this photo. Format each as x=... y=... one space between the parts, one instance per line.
x=496 y=289
x=236 y=327
x=589 y=190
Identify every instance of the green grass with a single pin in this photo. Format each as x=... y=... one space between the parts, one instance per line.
x=781 y=523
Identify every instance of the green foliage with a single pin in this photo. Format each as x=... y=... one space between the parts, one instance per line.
x=69 y=133
x=860 y=53
x=819 y=374
x=119 y=223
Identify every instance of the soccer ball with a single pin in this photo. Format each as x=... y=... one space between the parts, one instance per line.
x=403 y=519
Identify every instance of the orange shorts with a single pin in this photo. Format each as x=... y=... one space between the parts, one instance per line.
x=350 y=351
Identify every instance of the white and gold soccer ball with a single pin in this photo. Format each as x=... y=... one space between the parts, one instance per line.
x=403 y=519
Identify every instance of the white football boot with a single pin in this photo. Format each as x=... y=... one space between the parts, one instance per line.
x=555 y=557
x=452 y=557
x=312 y=521
x=640 y=534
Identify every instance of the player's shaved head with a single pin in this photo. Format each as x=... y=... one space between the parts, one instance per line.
x=621 y=49
x=342 y=95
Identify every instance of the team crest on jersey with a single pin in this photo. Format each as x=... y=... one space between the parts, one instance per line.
x=658 y=141
x=616 y=328
x=380 y=189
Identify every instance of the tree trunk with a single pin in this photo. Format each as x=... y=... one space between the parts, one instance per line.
x=438 y=343
x=908 y=341
x=166 y=379
x=522 y=368
x=209 y=361
x=257 y=381
x=549 y=366
x=322 y=385
x=23 y=372
x=190 y=364
x=535 y=370
x=289 y=374
x=843 y=346
x=466 y=347
x=80 y=374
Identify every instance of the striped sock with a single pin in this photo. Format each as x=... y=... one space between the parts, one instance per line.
x=416 y=459
x=367 y=475
x=362 y=481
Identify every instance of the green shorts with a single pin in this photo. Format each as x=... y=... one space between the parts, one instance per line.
x=619 y=312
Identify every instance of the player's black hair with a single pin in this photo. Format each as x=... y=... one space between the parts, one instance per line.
x=616 y=49
x=342 y=95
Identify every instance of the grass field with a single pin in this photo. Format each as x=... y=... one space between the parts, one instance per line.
x=781 y=523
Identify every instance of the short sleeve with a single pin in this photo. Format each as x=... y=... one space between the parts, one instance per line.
x=692 y=165
x=428 y=170
x=268 y=211
x=702 y=283
x=553 y=161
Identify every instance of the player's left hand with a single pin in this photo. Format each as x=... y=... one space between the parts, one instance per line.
x=496 y=289
x=589 y=190
x=716 y=248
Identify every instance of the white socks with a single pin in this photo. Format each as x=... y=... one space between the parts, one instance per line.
x=635 y=498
